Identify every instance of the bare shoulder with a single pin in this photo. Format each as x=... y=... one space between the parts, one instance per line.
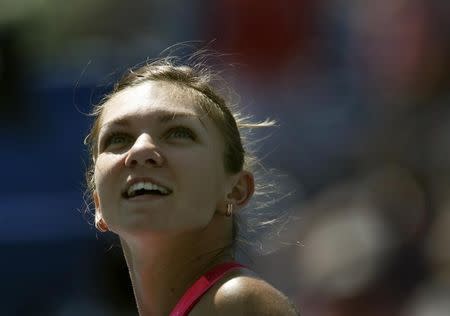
x=243 y=293
x=250 y=295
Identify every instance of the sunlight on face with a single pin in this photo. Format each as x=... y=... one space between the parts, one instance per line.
x=156 y=131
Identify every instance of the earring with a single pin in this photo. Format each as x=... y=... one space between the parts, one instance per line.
x=229 y=210
x=101 y=225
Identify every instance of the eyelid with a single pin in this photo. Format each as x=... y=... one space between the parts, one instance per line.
x=109 y=134
x=106 y=137
x=188 y=130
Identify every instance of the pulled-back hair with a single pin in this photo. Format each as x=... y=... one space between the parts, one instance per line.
x=201 y=81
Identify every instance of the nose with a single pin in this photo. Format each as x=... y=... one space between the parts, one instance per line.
x=144 y=152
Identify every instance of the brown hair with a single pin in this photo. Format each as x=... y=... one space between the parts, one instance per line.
x=235 y=128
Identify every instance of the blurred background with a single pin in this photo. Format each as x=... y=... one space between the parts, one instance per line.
x=361 y=92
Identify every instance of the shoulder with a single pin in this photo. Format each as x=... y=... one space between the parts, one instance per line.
x=245 y=294
x=249 y=295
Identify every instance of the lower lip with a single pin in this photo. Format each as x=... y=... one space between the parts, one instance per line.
x=146 y=197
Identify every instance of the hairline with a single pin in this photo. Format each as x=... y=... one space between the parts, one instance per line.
x=196 y=93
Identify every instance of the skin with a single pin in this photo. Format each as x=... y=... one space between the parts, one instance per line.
x=169 y=241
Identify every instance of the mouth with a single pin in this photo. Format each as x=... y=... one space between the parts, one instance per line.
x=144 y=187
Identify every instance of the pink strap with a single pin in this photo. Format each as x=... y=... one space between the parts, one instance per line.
x=201 y=286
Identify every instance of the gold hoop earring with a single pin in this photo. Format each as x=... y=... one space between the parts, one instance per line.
x=229 y=210
x=101 y=225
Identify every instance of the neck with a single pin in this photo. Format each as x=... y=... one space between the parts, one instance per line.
x=163 y=267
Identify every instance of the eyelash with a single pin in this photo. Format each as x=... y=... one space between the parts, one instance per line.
x=182 y=129
x=108 y=138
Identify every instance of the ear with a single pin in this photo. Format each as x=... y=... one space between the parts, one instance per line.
x=242 y=190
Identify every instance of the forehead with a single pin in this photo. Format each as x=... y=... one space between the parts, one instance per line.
x=151 y=97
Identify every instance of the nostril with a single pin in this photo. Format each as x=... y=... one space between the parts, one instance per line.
x=153 y=161
x=131 y=162
x=143 y=155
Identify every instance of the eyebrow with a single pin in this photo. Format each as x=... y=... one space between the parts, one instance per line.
x=164 y=117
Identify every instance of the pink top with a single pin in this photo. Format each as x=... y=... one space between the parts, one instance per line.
x=201 y=286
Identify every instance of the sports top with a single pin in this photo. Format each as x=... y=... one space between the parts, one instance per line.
x=201 y=286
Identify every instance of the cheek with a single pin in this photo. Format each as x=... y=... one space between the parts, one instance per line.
x=202 y=165
x=103 y=175
x=202 y=176
x=99 y=174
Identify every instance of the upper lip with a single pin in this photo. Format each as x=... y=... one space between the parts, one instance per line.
x=132 y=181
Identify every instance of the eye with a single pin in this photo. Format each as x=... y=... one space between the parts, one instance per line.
x=181 y=132
x=116 y=140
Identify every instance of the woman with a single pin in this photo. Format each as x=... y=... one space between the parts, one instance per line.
x=169 y=177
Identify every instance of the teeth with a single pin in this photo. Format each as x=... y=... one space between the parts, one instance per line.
x=147 y=186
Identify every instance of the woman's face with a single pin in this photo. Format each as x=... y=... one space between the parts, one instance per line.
x=155 y=133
